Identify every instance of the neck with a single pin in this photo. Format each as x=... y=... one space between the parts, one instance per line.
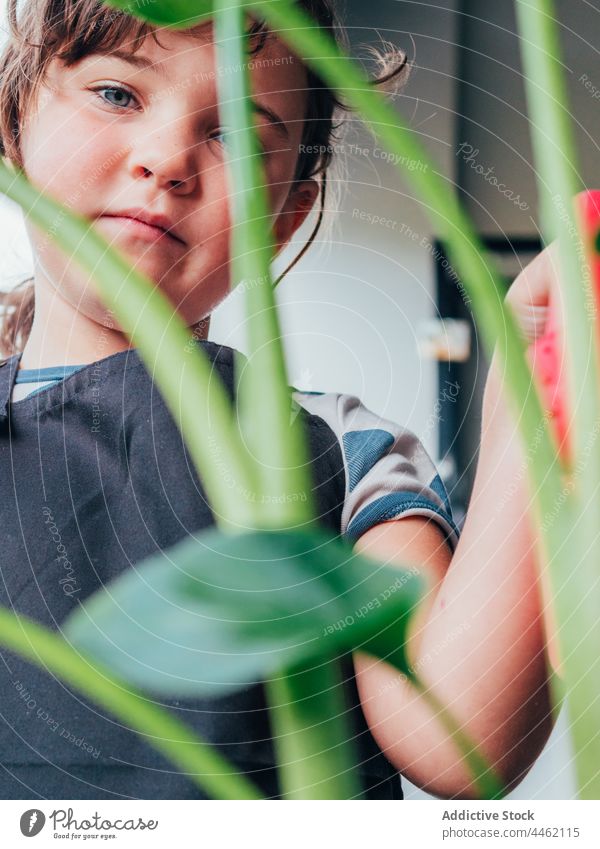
x=62 y=335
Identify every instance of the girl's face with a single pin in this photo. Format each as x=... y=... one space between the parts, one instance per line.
x=111 y=135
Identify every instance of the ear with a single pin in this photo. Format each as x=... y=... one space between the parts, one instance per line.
x=298 y=204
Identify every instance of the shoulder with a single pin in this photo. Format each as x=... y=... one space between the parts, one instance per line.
x=388 y=473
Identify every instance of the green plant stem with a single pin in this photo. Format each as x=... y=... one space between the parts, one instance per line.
x=312 y=735
x=195 y=396
x=264 y=398
x=204 y=766
x=489 y=783
x=577 y=592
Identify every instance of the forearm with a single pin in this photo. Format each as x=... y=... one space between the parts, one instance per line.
x=481 y=648
x=490 y=599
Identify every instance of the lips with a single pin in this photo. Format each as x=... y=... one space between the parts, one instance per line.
x=157 y=221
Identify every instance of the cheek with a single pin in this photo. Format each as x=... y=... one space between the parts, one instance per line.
x=57 y=162
x=217 y=214
x=279 y=178
x=277 y=198
x=213 y=211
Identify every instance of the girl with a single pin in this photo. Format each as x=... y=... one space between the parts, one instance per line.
x=120 y=124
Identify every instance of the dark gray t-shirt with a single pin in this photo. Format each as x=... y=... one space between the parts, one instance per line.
x=94 y=477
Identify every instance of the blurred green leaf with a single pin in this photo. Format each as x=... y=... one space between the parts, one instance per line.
x=202 y=763
x=179 y=14
x=217 y=612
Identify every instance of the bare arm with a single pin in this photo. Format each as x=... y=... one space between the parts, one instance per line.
x=480 y=642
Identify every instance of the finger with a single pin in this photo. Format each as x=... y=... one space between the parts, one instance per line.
x=532 y=320
x=538 y=281
x=532 y=293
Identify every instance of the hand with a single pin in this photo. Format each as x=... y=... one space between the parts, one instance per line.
x=531 y=298
x=535 y=298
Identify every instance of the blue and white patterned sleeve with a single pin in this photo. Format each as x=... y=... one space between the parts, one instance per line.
x=387 y=470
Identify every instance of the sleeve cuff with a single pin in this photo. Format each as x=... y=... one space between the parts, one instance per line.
x=398 y=504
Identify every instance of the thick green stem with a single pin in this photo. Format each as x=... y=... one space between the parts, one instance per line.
x=313 y=738
x=264 y=399
x=192 y=756
x=196 y=398
x=307 y=708
x=576 y=583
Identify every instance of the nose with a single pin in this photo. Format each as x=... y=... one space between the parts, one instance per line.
x=168 y=156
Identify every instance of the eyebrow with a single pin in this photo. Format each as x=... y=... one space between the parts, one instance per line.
x=146 y=64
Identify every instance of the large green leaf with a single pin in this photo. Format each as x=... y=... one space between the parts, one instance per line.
x=220 y=611
x=179 y=14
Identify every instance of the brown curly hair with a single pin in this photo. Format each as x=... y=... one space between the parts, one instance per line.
x=43 y=30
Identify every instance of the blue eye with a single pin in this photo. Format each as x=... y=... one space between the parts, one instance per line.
x=119 y=90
